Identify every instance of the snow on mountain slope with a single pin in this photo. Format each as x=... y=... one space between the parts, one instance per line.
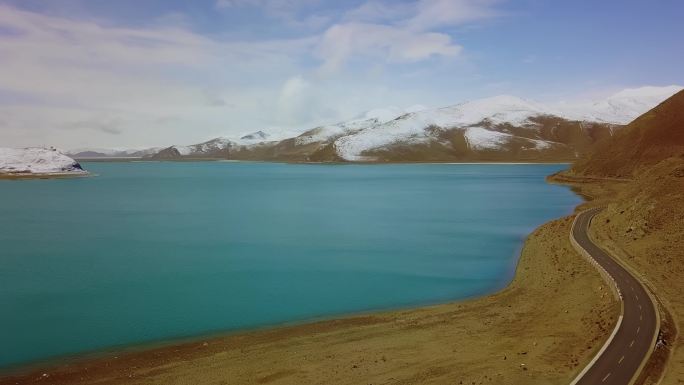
x=480 y=138
x=483 y=139
x=217 y=145
x=496 y=123
x=389 y=113
x=411 y=128
x=367 y=120
x=381 y=114
x=213 y=145
x=255 y=136
x=37 y=161
x=326 y=133
x=622 y=107
x=497 y=110
x=103 y=151
x=111 y=153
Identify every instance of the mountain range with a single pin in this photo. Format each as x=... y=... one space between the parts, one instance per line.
x=95 y=153
x=501 y=128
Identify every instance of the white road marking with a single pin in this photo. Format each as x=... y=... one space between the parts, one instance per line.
x=611 y=271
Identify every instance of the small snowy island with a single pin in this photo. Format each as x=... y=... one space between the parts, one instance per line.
x=35 y=162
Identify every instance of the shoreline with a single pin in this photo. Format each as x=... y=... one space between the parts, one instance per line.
x=149 y=350
x=191 y=160
x=52 y=175
x=142 y=347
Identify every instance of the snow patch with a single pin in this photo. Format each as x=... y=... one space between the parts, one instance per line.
x=36 y=160
x=620 y=108
x=184 y=150
x=483 y=139
x=327 y=133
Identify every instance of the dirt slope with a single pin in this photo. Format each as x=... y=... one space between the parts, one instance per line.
x=651 y=138
x=638 y=174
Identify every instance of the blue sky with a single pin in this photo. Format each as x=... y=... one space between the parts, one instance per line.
x=95 y=73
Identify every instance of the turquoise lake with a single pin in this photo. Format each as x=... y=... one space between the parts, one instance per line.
x=145 y=252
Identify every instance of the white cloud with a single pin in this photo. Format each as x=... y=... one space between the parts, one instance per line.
x=286 y=11
x=80 y=82
x=112 y=127
x=423 y=15
x=266 y=4
x=380 y=11
x=439 y=13
x=399 y=32
x=234 y=3
x=343 y=41
x=73 y=74
x=293 y=101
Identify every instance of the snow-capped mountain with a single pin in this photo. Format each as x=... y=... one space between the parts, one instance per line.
x=94 y=153
x=218 y=147
x=622 y=107
x=642 y=144
x=486 y=122
x=364 y=121
x=260 y=141
x=503 y=128
x=256 y=136
x=419 y=127
x=34 y=160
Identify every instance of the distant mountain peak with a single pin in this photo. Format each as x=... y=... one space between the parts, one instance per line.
x=619 y=108
x=382 y=115
x=654 y=136
x=259 y=135
x=647 y=92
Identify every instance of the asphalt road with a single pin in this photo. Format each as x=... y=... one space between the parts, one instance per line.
x=633 y=341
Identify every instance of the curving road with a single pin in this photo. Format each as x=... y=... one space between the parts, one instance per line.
x=622 y=357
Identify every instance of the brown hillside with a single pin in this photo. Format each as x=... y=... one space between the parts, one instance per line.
x=568 y=140
x=652 y=137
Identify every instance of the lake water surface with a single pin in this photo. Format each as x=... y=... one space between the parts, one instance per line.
x=151 y=251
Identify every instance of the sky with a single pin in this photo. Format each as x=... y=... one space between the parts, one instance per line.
x=148 y=73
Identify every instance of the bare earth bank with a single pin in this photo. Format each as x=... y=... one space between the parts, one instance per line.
x=643 y=225
x=51 y=175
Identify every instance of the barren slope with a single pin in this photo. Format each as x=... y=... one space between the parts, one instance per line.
x=654 y=136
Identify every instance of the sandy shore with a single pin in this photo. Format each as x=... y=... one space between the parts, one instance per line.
x=52 y=175
x=541 y=329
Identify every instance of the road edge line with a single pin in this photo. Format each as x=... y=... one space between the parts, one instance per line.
x=616 y=292
x=651 y=296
